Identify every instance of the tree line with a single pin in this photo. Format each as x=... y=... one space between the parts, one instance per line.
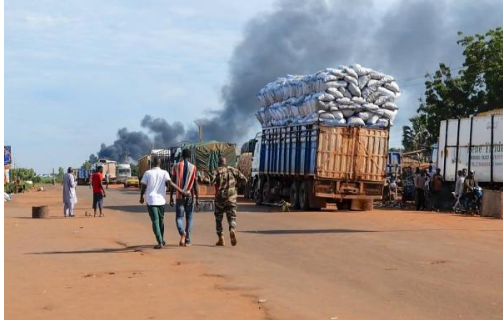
x=474 y=88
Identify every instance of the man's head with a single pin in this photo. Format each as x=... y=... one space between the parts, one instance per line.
x=465 y=172
x=222 y=161
x=186 y=153
x=438 y=171
x=460 y=173
x=156 y=162
x=100 y=169
x=471 y=173
x=69 y=170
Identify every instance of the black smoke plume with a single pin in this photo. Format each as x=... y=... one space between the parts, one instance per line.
x=405 y=39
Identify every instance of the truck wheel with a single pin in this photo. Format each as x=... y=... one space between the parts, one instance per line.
x=294 y=195
x=257 y=192
x=303 y=196
x=266 y=191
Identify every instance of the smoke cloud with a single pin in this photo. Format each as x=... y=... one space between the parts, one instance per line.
x=405 y=39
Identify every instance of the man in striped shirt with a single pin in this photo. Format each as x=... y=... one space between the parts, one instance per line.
x=184 y=175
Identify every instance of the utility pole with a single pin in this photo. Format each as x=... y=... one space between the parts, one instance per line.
x=199 y=131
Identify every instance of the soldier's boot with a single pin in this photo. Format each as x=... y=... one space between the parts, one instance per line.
x=221 y=241
x=234 y=240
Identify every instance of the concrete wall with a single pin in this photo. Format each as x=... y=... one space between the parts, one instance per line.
x=492 y=204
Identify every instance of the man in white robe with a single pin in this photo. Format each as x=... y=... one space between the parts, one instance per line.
x=69 y=193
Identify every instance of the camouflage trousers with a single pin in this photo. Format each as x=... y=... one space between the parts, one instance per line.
x=229 y=208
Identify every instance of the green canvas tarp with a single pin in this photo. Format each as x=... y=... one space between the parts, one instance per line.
x=205 y=156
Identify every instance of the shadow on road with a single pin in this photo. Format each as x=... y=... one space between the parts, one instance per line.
x=139 y=248
x=307 y=231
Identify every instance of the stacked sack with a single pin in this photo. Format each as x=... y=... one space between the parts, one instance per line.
x=353 y=95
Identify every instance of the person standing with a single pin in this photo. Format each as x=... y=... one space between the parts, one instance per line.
x=98 y=190
x=225 y=179
x=436 y=184
x=419 y=184
x=184 y=175
x=458 y=191
x=153 y=183
x=107 y=178
x=69 y=193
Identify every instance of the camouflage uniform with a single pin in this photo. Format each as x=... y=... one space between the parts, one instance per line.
x=225 y=179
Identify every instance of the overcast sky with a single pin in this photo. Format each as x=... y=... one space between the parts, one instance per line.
x=77 y=71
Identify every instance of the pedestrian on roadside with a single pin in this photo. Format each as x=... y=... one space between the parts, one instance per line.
x=69 y=193
x=458 y=191
x=436 y=185
x=107 y=178
x=226 y=179
x=420 y=184
x=184 y=175
x=98 y=190
x=154 y=183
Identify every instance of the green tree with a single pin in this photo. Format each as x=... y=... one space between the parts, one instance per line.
x=416 y=136
x=24 y=173
x=87 y=165
x=61 y=173
x=134 y=170
x=477 y=87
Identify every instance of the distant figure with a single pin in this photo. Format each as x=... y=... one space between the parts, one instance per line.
x=458 y=191
x=436 y=184
x=69 y=193
x=225 y=179
x=154 y=183
x=420 y=184
x=184 y=175
x=107 y=178
x=468 y=186
x=98 y=190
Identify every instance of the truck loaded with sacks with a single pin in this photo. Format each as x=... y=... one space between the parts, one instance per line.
x=324 y=139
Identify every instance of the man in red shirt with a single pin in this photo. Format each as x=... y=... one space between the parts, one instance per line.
x=98 y=190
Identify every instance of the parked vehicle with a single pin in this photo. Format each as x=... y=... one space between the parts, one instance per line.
x=320 y=166
x=145 y=162
x=471 y=202
x=84 y=176
x=132 y=182
x=110 y=168
x=123 y=172
x=474 y=143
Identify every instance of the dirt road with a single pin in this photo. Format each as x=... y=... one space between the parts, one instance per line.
x=306 y=265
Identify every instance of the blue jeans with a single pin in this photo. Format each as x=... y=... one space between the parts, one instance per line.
x=184 y=206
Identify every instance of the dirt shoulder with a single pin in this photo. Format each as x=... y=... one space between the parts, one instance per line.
x=82 y=268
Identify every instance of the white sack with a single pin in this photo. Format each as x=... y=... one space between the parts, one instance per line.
x=355 y=91
x=363 y=80
x=355 y=121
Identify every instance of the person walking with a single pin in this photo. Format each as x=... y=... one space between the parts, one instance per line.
x=98 y=190
x=225 y=179
x=436 y=185
x=184 y=175
x=69 y=193
x=153 y=183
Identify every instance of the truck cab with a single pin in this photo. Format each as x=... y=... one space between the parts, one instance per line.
x=123 y=172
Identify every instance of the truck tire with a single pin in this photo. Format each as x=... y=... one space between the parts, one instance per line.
x=294 y=195
x=303 y=196
x=257 y=192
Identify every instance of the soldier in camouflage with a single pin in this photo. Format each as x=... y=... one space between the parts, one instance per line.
x=225 y=179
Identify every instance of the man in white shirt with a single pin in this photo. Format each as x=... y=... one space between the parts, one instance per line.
x=153 y=183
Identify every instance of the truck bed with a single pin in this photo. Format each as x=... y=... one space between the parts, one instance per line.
x=325 y=152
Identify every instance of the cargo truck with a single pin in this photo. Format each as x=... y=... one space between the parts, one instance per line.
x=320 y=166
x=110 y=168
x=145 y=162
x=474 y=143
x=123 y=172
